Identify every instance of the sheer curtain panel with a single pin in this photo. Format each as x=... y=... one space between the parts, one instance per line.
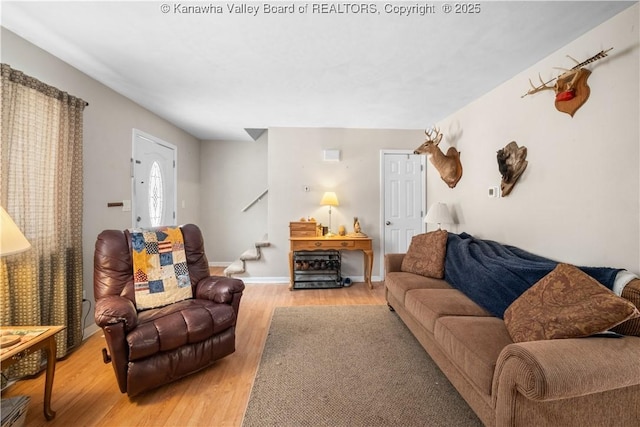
x=41 y=188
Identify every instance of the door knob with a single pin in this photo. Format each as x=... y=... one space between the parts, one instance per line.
x=388 y=223
x=138 y=219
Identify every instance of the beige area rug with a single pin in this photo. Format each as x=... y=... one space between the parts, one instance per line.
x=349 y=366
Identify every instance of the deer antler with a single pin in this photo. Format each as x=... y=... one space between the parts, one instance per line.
x=543 y=86
x=567 y=73
x=429 y=133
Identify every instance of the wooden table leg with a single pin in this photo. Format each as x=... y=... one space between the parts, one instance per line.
x=368 y=267
x=50 y=351
x=290 y=270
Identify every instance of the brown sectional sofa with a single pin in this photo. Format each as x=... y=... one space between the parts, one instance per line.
x=561 y=382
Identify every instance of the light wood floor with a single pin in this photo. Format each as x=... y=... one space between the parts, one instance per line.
x=85 y=392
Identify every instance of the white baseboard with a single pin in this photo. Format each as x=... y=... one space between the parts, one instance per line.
x=273 y=280
x=89 y=330
x=219 y=264
x=265 y=280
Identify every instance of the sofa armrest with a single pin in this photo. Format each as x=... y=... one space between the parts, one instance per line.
x=219 y=289
x=393 y=262
x=566 y=368
x=113 y=309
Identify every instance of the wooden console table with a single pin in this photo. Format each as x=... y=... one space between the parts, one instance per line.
x=30 y=344
x=338 y=243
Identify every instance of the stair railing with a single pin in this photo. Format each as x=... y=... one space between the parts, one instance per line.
x=256 y=200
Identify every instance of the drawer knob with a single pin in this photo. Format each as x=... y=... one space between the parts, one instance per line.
x=318 y=244
x=343 y=243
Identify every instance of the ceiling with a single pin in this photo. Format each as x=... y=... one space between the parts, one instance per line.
x=216 y=74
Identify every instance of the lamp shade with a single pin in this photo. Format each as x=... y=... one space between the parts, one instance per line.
x=12 y=241
x=438 y=213
x=329 y=199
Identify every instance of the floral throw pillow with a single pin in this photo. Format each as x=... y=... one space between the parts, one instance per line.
x=566 y=303
x=426 y=253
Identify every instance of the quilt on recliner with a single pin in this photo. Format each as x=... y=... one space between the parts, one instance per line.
x=160 y=271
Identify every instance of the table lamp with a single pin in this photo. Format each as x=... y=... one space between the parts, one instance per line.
x=329 y=199
x=438 y=213
x=12 y=241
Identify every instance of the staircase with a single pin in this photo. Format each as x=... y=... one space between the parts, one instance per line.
x=251 y=254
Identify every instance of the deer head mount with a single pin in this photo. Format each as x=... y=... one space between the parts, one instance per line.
x=511 y=163
x=449 y=166
x=571 y=86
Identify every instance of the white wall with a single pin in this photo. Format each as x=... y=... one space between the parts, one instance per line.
x=579 y=199
x=295 y=159
x=108 y=123
x=233 y=174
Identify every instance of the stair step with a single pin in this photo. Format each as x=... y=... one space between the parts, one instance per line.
x=250 y=255
x=236 y=267
x=264 y=242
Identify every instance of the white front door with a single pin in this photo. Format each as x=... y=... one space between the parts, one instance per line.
x=154 y=181
x=404 y=199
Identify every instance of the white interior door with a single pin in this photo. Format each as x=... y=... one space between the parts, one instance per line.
x=154 y=181
x=404 y=199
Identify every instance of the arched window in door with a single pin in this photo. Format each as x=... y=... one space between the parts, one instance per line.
x=156 y=195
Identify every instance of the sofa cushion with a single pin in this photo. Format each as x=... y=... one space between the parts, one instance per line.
x=473 y=344
x=170 y=327
x=427 y=305
x=426 y=253
x=631 y=292
x=566 y=303
x=399 y=283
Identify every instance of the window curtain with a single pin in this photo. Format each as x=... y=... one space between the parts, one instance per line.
x=41 y=189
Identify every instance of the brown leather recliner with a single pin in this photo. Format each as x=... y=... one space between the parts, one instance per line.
x=154 y=347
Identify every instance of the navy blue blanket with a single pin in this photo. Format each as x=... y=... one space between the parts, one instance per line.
x=494 y=275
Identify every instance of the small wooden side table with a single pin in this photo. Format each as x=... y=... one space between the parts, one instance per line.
x=31 y=343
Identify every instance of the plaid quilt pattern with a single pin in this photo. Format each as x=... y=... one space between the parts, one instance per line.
x=161 y=275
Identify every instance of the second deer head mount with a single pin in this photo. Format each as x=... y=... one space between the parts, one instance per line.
x=448 y=165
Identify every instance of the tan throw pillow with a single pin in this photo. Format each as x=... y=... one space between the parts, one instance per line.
x=426 y=253
x=631 y=292
x=566 y=303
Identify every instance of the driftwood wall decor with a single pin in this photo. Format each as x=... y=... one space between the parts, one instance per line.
x=511 y=163
x=571 y=86
x=449 y=166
